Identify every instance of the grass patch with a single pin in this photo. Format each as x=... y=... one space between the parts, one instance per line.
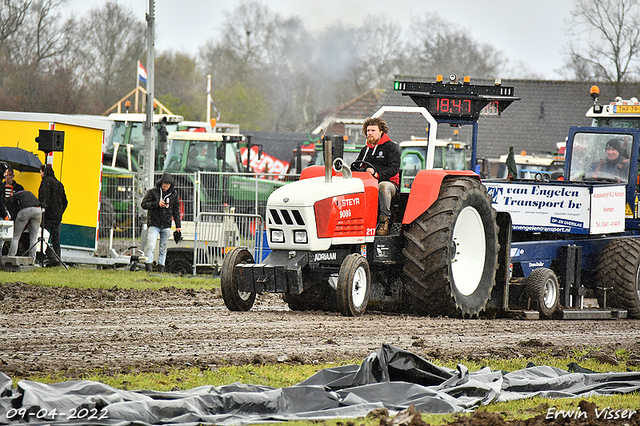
x=166 y=379
x=106 y=278
x=284 y=375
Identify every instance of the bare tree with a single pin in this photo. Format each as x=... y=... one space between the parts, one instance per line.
x=440 y=48
x=605 y=41
x=112 y=41
x=381 y=53
x=248 y=33
x=41 y=35
x=179 y=85
x=12 y=16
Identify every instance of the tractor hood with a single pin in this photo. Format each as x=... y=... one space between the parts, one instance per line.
x=313 y=214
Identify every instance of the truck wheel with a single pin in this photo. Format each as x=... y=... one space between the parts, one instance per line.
x=542 y=288
x=180 y=265
x=451 y=252
x=234 y=299
x=354 y=284
x=619 y=272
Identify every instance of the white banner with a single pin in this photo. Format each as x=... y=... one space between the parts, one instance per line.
x=560 y=208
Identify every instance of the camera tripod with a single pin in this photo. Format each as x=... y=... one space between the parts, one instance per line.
x=42 y=242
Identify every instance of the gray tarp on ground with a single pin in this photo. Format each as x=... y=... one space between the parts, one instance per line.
x=391 y=378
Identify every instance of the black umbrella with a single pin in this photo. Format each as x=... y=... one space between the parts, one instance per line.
x=20 y=159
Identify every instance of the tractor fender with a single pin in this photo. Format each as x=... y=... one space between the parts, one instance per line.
x=313 y=171
x=425 y=190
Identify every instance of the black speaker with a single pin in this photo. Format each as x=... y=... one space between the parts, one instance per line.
x=50 y=140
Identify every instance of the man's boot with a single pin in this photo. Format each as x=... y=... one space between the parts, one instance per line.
x=148 y=267
x=383 y=225
x=161 y=268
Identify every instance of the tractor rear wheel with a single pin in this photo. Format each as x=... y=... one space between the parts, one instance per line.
x=619 y=273
x=542 y=288
x=354 y=284
x=451 y=252
x=234 y=299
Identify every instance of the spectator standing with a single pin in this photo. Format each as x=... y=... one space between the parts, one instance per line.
x=25 y=210
x=54 y=201
x=162 y=205
x=10 y=185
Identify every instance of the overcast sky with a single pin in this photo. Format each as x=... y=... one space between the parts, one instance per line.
x=527 y=31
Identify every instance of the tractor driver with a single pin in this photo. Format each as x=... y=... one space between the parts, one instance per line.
x=384 y=155
x=615 y=165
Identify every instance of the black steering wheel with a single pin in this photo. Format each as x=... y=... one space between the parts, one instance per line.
x=362 y=166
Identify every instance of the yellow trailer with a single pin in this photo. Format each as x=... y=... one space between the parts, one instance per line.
x=77 y=166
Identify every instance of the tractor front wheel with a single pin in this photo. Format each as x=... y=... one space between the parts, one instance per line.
x=234 y=299
x=354 y=284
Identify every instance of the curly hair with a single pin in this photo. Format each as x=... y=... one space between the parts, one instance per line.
x=382 y=125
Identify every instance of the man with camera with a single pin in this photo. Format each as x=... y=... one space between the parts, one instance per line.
x=162 y=205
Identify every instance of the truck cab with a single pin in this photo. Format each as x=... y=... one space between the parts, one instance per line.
x=127 y=140
x=189 y=152
x=449 y=155
x=622 y=118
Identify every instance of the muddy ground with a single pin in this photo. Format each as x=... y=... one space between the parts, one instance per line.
x=72 y=331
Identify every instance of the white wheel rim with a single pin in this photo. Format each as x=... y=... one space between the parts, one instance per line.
x=549 y=295
x=638 y=283
x=468 y=251
x=359 y=287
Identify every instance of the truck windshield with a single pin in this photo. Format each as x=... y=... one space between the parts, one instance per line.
x=600 y=157
x=173 y=160
x=130 y=132
x=446 y=157
x=190 y=156
x=449 y=158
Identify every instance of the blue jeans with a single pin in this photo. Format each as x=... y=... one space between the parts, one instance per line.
x=152 y=236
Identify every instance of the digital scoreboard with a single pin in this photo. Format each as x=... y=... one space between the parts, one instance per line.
x=462 y=101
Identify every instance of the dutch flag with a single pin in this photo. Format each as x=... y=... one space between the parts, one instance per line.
x=142 y=73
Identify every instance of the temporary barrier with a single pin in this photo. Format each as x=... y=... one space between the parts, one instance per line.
x=219 y=211
x=119 y=224
x=217 y=233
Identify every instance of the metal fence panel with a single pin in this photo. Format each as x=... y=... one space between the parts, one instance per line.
x=231 y=208
x=246 y=192
x=217 y=233
x=119 y=224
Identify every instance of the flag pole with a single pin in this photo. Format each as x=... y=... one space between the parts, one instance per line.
x=209 y=98
x=137 y=83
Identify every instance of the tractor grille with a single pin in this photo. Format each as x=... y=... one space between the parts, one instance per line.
x=285 y=217
x=350 y=227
